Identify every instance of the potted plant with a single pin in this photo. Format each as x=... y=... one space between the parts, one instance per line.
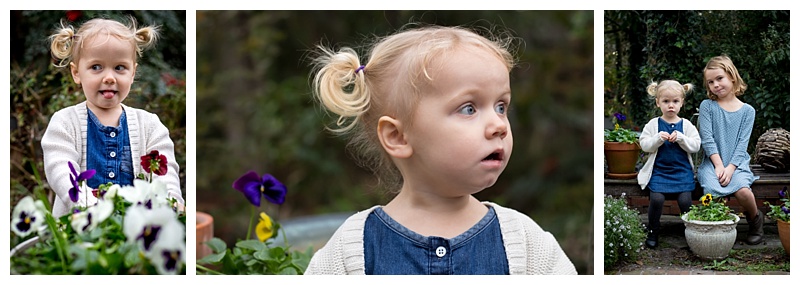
x=258 y=255
x=134 y=229
x=710 y=228
x=621 y=149
x=780 y=213
x=623 y=232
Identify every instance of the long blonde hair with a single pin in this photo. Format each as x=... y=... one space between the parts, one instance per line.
x=726 y=64
x=388 y=84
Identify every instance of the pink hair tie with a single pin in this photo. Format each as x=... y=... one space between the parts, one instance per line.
x=360 y=68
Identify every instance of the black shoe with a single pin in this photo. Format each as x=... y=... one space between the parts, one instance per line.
x=652 y=239
x=755 y=234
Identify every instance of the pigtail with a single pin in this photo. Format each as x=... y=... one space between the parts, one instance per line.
x=687 y=88
x=340 y=86
x=146 y=37
x=61 y=45
x=652 y=89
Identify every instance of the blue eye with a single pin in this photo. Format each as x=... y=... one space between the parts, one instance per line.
x=120 y=67
x=467 y=110
x=96 y=67
x=500 y=108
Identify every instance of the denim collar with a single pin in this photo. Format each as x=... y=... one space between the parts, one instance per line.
x=423 y=241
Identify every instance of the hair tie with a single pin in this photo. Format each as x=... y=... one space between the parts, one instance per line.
x=360 y=68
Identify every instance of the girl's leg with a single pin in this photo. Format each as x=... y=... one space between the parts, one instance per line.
x=654 y=218
x=684 y=201
x=755 y=219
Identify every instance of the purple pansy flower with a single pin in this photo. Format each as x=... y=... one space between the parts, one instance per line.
x=253 y=187
x=785 y=210
x=77 y=180
x=782 y=193
x=620 y=117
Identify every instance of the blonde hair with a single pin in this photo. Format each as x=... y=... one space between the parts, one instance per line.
x=725 y=63
x=655 y=89
x=389 y=83
x=66 y=43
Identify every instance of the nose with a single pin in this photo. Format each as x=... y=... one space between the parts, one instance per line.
x=108 y=78
x=497 y=127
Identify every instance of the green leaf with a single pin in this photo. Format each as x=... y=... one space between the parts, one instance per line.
x=212 y=258
x=254 y=245
x=217 y=245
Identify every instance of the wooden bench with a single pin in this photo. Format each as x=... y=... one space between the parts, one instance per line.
x=765 y=189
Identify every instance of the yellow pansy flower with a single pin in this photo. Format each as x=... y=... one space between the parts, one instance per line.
x=264 y=228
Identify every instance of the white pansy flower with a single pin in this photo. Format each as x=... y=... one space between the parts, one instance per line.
x=27 y=217
x=87 y=220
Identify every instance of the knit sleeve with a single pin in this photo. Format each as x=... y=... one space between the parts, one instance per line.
x=650 y=140
x=531 y=250
x=61 y=145
x=689 y=140
x=545 y=255
x=156 y=137
x=344 y=252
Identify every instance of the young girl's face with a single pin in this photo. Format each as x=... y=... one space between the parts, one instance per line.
x=719 y=82
x=670 y=102
x=461 y=137
x=105 y=71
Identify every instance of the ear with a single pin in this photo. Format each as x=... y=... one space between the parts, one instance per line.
x=73 y=69
x=135 y=66
x=393 y=140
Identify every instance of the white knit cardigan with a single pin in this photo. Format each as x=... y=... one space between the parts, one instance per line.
x=650 y=141
x=529 y=249
x=65 y=141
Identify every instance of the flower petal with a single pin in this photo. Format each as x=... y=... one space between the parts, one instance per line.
x=250 y=185
x=86 y=175
x=74 y=191
x=274 y=190
x=72 y=168
x=264 y=228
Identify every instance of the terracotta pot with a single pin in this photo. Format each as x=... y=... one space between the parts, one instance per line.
x=621 y=159
x=205 y=232
x=710 y=240
x=783 y=233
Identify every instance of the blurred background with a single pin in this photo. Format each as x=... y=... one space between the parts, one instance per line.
x=38 y=89
x=255 y=112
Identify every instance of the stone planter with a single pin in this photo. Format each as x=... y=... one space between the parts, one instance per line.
x=205 y=232
x=710 y=240
x=783 y=233
x=621 y=159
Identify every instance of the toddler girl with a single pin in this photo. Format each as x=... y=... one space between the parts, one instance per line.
x=101 y=133
x=725 y=127
x=670 y=140
x=428 y=114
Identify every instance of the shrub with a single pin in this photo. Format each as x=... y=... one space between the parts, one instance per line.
x=623 y=232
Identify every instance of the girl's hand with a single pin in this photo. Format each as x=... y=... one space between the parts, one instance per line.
x=728 y=174
x=664 y=136
x=720 y=172
x=673 y=136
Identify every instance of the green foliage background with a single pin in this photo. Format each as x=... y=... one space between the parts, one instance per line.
x=38 y=89
x=255 y=112
x=645 y=46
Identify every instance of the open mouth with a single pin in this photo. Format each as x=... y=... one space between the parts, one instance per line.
x=108 y=94
x=497 y=155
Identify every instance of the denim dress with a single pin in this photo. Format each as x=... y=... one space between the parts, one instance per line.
x=672 y=171
x=391 y=248
x=108 y=151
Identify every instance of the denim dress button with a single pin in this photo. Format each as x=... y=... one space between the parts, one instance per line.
x=112 y=154
x=113 y=134
x=441 y=251
x=111 y=175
